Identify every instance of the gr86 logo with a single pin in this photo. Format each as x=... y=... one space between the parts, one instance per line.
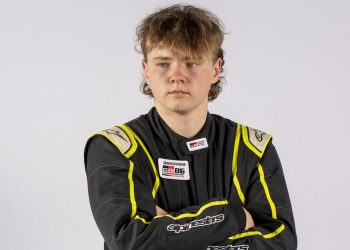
x=173 y=171
x=228 y=247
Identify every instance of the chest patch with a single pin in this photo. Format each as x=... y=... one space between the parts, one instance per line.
x=173 y=169
x=197 y=144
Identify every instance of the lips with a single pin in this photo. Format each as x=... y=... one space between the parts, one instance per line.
x=178 y=92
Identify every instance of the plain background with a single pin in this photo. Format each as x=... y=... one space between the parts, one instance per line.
x=68 y=68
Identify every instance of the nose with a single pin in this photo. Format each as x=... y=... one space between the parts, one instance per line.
x=178 y=74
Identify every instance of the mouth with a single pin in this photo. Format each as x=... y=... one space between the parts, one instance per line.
x=178 y=93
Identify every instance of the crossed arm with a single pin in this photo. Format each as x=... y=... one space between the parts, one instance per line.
x=139 y=224
x=249 y=219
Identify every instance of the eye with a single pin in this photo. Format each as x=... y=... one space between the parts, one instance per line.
x=163 y=65
x=191 y=65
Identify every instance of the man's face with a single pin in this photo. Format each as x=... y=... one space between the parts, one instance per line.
x=178 y=84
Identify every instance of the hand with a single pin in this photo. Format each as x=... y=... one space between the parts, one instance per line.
x=160 y=211
x=249 y=220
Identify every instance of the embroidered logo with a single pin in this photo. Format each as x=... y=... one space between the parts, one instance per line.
x=259 y=135
x=209 y=220
x=197 y=144
x=115 y=132
x=173 y=169
x=228 y=247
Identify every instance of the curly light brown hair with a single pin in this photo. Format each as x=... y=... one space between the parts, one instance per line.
x=193 y=31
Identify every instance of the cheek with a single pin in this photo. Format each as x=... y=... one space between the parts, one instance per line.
x=156 y=74
x=204 y=78
x=155 y=82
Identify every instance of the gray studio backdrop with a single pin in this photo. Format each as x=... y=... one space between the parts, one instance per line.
x=68 y=69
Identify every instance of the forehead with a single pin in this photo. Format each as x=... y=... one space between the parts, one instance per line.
x=160 y=52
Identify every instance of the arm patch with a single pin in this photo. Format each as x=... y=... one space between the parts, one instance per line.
x=121 y=138
x=256 y=140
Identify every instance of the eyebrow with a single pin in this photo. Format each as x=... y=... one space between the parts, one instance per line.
x=162 y=58
x=167 y=58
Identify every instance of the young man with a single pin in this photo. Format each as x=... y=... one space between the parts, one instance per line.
x=179 y=177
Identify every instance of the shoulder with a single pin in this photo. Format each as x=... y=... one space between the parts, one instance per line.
x=253 y=139
x=121 y=137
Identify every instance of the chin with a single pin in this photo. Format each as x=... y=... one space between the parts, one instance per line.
x=180 y=109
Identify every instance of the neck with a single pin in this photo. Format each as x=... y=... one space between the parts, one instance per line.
x=186 y=124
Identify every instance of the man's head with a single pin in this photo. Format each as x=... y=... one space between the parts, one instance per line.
x=185 y=31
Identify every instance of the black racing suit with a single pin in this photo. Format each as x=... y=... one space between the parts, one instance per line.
x=134 y=167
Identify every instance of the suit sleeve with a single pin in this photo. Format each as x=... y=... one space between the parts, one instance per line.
x=267 y=200
x=124 y=209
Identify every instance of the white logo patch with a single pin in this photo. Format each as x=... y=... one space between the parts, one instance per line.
x=173 y=169
x=209 y=220
x=197 y=144
x=228 y=247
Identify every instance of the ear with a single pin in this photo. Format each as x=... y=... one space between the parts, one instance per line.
x=217 y=70
x=145 y=68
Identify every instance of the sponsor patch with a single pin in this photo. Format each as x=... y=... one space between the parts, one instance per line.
x=228 y=247
x=173 y=169
x=209 y=220
x=197 y=144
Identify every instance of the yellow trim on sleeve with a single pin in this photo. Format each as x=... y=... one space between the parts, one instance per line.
x=133 y=148
x=267 y=192
x=142 y=219
x=186 y=215
x=132 y=190
x=239 y=190
x=250 y=145
x=247 y=142
x=262 y=180
x=252 y=233
x=156 y=183
x=234 y=164
x=106 y=136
